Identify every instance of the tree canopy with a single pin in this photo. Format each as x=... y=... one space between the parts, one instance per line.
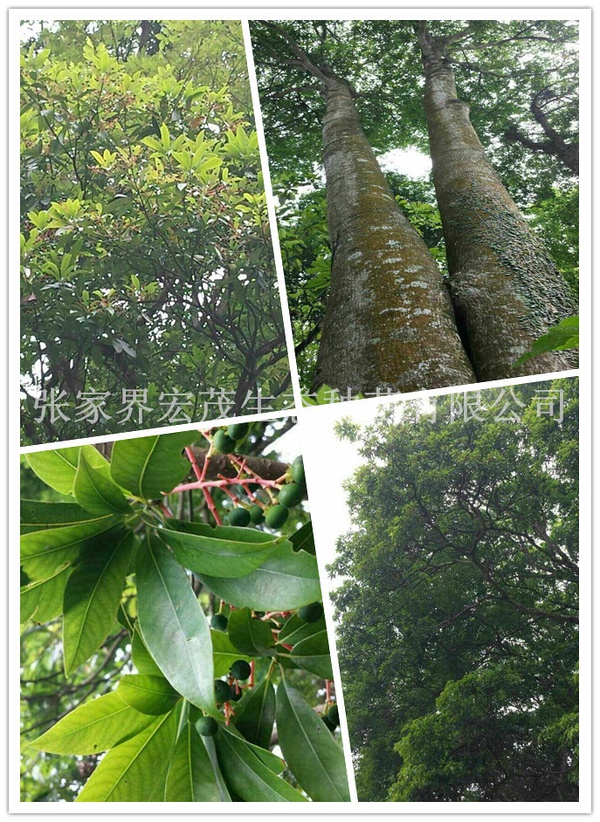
x=148 y=284
x=520 y=80
x=457 y=616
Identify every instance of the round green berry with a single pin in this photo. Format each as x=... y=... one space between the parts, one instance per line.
x=256 y=514
x=311 y=613
x=235 y=694
x=276 y=515
x=223 y=443
x=333 y=715
x=238 y=430
x=328 y=722
x=240 y=669
x=297 y=471
x=239 y=517
x=207 y=726
x=219 y=622
x=222 y=691
x=291 y=494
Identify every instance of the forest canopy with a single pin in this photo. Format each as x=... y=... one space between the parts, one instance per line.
x=457 y=615
x=148 y=291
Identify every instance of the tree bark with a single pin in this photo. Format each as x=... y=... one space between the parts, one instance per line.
x=389 y=321
x=505 y=289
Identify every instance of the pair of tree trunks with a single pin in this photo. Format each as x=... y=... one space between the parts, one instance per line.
x=391 y=321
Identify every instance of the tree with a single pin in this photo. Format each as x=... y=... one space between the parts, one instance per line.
x=457 y=617
x=500 y=65
x=147 y=263
x=182 y=571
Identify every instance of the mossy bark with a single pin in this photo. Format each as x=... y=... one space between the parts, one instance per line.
x=505 y=289
x=389 y=323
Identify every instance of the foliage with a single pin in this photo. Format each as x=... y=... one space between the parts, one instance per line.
x=184 y=639
x=562 y=336
x=458 y=612
x=147 y=263
x=500 y=67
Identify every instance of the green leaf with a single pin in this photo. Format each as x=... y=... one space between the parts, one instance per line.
x=250 y=635
x=36 y=516
x=43 y=551
x=173 y=625
x=286 y=580
x=135 y=770
x=558 y=338
x=95 y=492
x=303 y=539
x=225 y=552
x=140 y=656
x=209 y=744
x=295 y=629
x=93 y=727
x=247 y=776
x=147 y=694
x=92 y=599
x=255 y=714
x=43 y=600
x=312 y=654
x=151 y=466
x=311 y=752
x=224 y=653
x=58 y=468
x=191 y=777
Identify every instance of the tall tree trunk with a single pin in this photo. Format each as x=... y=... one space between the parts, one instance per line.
x=389 y=321
x=505 y=289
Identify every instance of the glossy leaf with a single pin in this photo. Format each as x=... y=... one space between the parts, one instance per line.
x=140 y=656
x=249 y=634
x=191 y=777
x=247 y=776
x=285 y=580
x=93 y=727
x=295 y=629
x=173 y=625
x=95 y=491
x=224 y=653
x=255 y=714
x=151 y=466
x=147 y=694
x=209 y=744
x=58 y=468
x=92 y=598
x=312 y=654
x=135 y=770
x=43 y=600
x=37 y=516
x=312 y=754
x=303 y=539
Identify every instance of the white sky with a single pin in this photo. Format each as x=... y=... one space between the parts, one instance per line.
x=406 y=161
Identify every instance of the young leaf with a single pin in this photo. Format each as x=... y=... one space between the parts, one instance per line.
x=95 y=492
x=58 y=468
x=147 y=694
x=93 y=727
x=190 y=777
x=37 y=516
x=227 y=552
x=135 y=770
x=558 y=338
x=250 y=635
x=173 y=625
x=312 y=654
x=247 y=776
x=151 y=466
x=255 y=714
x=43 y=551
x=224 y=653
x=311 y=752
x=92 y=598
x=285 y=580
x=44 y=599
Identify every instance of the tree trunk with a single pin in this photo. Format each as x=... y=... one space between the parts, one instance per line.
x=389 y=321
x=505 y=289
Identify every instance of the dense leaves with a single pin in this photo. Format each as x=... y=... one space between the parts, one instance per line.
x=182 y=712
x=458 y=613
x=148 y=285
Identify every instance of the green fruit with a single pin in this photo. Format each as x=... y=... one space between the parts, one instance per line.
x=240 y=669
x=223 y=443
x=235 y=695
x=297 y=471
x=333 y=715
x=311 y=613
x=219 y=622
x=328 y=722
x=276 y=515
x=256 y=514
x=291 y=495
x=239 y=517
x=222 y=691
x=207 y=726
x=238 y=430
